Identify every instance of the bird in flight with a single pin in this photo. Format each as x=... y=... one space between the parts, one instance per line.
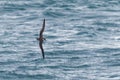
x=41 y=39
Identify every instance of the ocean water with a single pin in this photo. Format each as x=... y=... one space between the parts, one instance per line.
x=82 y=40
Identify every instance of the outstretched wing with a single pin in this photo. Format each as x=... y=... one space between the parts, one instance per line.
x=42 y=50
x=43 y=27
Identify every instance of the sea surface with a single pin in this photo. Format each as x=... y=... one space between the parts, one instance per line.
x=82 y=40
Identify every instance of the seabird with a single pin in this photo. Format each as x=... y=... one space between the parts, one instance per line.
x=41 y=38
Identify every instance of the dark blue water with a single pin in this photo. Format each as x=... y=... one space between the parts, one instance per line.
x=83 y=40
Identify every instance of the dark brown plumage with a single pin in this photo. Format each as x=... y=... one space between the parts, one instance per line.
x=41 y=39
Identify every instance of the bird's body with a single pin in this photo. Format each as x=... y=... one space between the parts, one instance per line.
x=41 y=39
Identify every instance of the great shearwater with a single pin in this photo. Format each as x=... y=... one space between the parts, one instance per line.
x=41 y=39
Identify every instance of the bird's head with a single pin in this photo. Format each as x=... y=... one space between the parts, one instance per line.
x=37 y=38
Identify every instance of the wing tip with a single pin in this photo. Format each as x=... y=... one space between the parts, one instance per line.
x=44 y=19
